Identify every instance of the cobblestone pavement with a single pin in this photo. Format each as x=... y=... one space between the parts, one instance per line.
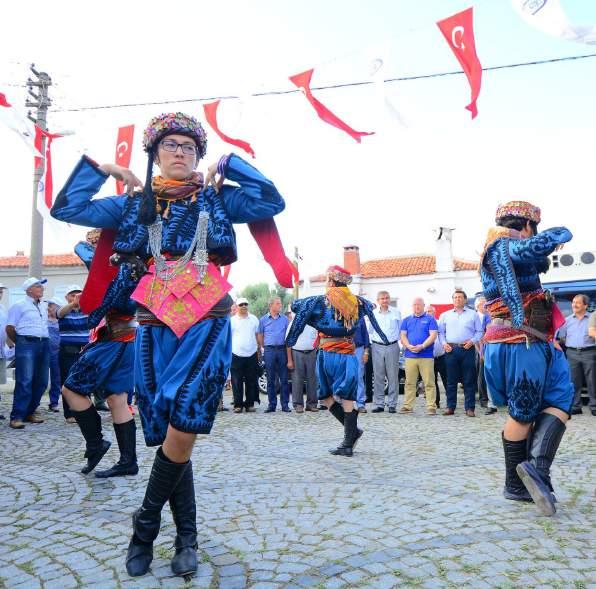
x=419 y=505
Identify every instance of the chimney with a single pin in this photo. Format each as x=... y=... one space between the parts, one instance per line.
x=20 y=253
x=352 y=259
x=444 y=250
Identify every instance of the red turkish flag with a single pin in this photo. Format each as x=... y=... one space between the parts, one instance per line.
x=3 y=101
x=302 y=81
x=458 y=31
x=124 y=151
x=210 y=109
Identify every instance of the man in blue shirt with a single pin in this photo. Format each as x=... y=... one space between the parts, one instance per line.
x=418 y=334
x=272 y=337
x=581 y=352
x=459 y=331
x=27 y=327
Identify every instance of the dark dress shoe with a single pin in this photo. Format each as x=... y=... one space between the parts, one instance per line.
x=270 y=410
x=490 y=411
x=593 y=413
x=94 y=456
x=470 y=413
x=322 y=407
x=577 y=411
x=449 y=411
x=286 y=410
x=392 y=410
x=378 y=410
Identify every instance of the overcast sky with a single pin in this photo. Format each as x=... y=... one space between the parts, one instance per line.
x=533 y=137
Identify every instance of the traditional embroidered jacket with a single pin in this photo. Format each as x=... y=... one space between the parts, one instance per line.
x=509 y=272
x=318 y=313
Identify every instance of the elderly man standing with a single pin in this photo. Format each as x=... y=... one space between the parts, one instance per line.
x=385 y=356
x=245 y=361
x=418 y=334
x=581 y=352
x=272 y=337
x=459 y=331
x=27 y=327
x=302 y=359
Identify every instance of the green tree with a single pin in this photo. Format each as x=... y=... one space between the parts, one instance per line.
x=258 y=296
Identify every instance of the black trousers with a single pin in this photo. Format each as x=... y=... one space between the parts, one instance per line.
x=440 y=369
x=67 y=356
x=244 y=380
x=482 y=390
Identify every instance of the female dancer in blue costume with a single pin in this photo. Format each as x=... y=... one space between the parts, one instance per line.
x=181 y=228
x=335 y=316
x=105 y=368
x=523 y=369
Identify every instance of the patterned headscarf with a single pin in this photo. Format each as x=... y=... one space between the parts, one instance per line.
x=175 y=122
x=339 y=274
x=518 y=208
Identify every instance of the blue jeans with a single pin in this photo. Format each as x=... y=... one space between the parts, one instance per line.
x=276 y=366
x=361 y=393
x=31 y=375
x=461 y=367
x=55 y=380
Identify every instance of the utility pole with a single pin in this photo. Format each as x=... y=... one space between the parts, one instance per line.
x=40 y=101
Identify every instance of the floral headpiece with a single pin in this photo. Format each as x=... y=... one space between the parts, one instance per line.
x=339 y=274
x=519 y=208
x=175 y=122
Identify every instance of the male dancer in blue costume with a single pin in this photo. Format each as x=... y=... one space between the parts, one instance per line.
x=181 y=228
x=105 y=368
x=335 y=316
x=523 y=369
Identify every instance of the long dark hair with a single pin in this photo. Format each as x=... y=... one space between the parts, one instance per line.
x=147 y=208
x=517 y=223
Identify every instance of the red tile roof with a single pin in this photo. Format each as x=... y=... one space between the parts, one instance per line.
x=50 y=260
x=403 y=266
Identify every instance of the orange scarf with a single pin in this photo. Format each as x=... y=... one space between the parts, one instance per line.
x=173 y=190
x=344 y=304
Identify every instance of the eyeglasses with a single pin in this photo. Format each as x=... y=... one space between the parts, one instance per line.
x=243 y=305
x=172 y=146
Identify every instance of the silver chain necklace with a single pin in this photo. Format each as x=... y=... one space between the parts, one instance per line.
x=197 y=250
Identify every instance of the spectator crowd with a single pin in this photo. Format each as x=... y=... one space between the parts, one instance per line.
x=43 y=338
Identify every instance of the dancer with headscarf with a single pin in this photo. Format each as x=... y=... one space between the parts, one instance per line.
x=335 y=315
x=181 y=228
x=524 y=371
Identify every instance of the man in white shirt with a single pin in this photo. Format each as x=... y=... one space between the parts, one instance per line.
x=245 y=361
x=302 y=359
x=385 y=357
x=27 y=327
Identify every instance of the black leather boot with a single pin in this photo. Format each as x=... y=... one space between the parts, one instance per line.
x=350 y=435
x=146 y=520
x=535 y=472
x=515 y=453
x=89 y=422
x=338 y=412
x=184 y=512
x=126 y=434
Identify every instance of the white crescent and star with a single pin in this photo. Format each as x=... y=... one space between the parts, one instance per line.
x=122 y=148
x=458 y=29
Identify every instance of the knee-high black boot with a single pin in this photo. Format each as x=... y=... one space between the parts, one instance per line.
x=350 y=435
x=515 y=453
x=126 y=434
x=535 y=472
x=89 y=422
x=184 y=511
x=146 y=520
x=338 y=412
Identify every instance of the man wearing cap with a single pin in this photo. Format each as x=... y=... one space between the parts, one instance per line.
x=74 y=336
x=523 y=369
x=27 y=327
x=336 y=316
x=245 y=362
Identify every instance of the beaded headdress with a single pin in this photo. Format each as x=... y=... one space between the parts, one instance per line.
x=519 y=208
x=175 y=122
x=339 y=274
